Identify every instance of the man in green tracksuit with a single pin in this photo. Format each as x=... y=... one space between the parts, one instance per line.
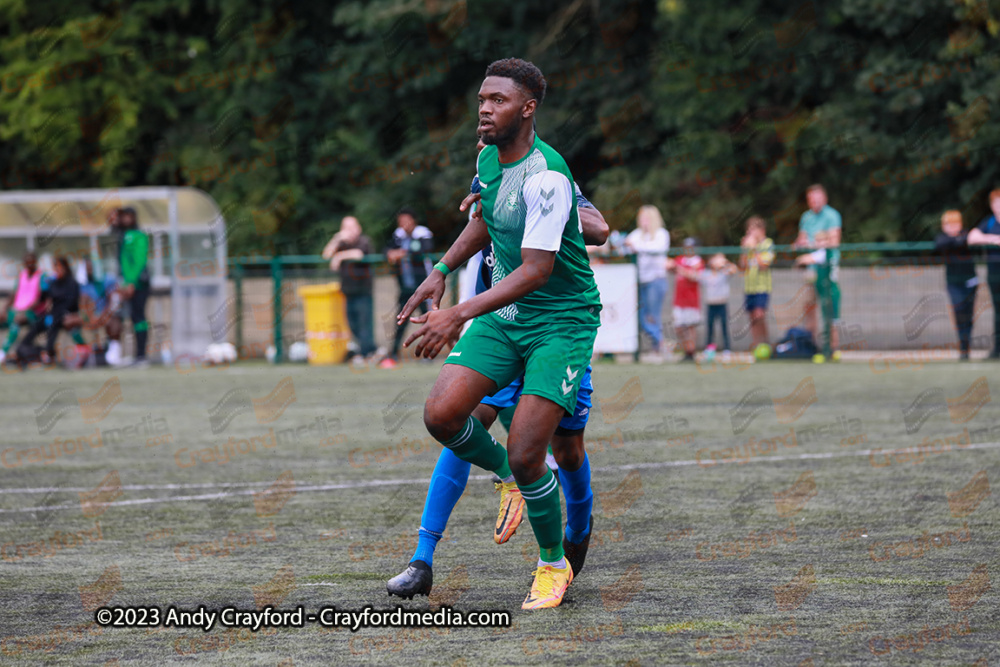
x=132 y=257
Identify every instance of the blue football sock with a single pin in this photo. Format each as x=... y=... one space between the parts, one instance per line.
x=451 y=474
x=579 y=500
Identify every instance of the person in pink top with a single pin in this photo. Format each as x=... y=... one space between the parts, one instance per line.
x=23 y=301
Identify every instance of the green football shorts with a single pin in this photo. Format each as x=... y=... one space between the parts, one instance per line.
x=552 y=355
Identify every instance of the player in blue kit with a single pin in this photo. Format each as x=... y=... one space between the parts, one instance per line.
x=451 y=474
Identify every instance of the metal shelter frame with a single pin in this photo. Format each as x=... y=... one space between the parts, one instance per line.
x=165 y=213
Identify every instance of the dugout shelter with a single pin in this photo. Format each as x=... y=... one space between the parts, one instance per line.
x=187 y=250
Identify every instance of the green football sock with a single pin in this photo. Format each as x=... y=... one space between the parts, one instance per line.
x=14 y=329
x=77 y=337
x=475 y=445
x=545 y=514
x=11 y=337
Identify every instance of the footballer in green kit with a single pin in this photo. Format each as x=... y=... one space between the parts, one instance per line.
x=539 y=318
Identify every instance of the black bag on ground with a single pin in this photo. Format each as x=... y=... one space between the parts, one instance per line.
x=796 y=344
x=28 y=353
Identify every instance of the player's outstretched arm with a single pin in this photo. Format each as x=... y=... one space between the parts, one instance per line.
x=473 y=238
x=595 y=229
x=442 y=327
x=978 y=237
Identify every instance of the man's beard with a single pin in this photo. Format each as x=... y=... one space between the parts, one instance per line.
x=501 y=138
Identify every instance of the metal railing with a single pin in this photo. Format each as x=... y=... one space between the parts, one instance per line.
x=891 y=278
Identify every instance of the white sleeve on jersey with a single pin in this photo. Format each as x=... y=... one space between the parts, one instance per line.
x=549 y=200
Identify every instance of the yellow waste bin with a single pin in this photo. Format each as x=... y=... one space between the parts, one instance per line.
x=326 y=323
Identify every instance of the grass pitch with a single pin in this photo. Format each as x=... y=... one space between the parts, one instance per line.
x=771 y=514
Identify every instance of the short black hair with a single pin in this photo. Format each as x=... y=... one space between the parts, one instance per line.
x=128 y=210
x=523 y=73
x=406 y=210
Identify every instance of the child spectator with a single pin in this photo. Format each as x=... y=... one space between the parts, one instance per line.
x=959 y=274
x=23 y=302
x=716 y=282
x=756 y=260
x=687 y=304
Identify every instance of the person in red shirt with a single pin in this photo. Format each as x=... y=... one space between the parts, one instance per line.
x=687 y=300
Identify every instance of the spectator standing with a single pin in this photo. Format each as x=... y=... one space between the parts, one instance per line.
x=988 y=233
x=344 y=250
x=756 y=260
x=716 y=282
x=132 y=259
x=408 y=253
x=650 y=243
x=687 y=302
x=820 y=230
x=960 y=275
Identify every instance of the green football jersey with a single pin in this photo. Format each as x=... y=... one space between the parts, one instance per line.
x=530 y=203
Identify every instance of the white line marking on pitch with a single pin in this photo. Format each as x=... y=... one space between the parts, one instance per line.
x=398 y=482
x=142 y=487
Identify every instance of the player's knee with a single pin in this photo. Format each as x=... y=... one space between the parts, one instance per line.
x=520 y=467
x=569 y=459
x=526 y=469
x=440 y=420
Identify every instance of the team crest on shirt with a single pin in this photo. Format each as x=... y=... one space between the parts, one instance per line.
x=512 y=200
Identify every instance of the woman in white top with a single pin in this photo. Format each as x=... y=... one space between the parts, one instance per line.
x=650 y=242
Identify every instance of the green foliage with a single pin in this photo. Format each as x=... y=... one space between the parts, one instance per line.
x=293 y=114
